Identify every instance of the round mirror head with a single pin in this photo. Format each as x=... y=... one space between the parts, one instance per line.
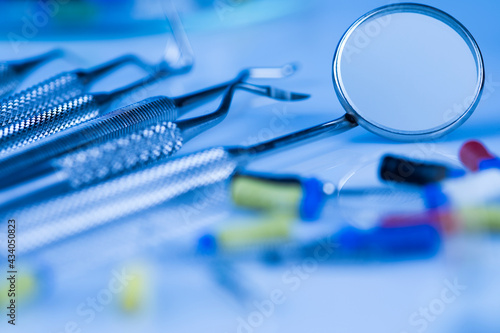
x=408 y=72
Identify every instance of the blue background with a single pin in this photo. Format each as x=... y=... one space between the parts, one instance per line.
x=182 y=296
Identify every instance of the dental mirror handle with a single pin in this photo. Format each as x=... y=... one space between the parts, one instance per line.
x=234 y=156
x=198 y=167
x=334 y=127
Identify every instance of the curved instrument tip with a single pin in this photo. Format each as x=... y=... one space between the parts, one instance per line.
x=299 y=96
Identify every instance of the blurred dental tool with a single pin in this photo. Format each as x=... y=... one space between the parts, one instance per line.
x=66 y=90
x=19 y=164
x=296 y=195
x=347 y=243
x=480 y=216
x=476 y=157
x=123 y=153
x=418 y=241
x=307 y=197
x=134 y=295
x=268 y=228
x=445 y=185
x=46 y=275
x=13 y=72
x=468 y=219
x=473 y=190
x=403 y=170
x=442 y=219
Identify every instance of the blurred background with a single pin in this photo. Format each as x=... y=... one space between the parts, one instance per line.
x=146 y=273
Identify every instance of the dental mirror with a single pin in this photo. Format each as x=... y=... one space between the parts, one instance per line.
x=406 y=72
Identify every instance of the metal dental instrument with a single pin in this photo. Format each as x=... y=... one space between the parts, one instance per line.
x=144 y=145
x=13 y=72
x=54 y=91
x=177 y=59
x=57 y=118
x=151 y=111
x=360 y=82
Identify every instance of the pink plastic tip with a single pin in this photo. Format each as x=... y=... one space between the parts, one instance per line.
x=441 y=220
x=406 y=220
x=473 y=153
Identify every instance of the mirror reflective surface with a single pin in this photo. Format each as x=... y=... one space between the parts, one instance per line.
x=407 y=71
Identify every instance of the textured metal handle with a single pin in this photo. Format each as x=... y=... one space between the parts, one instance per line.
x=47 y=122
x=37 y=98
x=100 y=161
x=116 y=199
x=8 y=80
x=106 y=127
